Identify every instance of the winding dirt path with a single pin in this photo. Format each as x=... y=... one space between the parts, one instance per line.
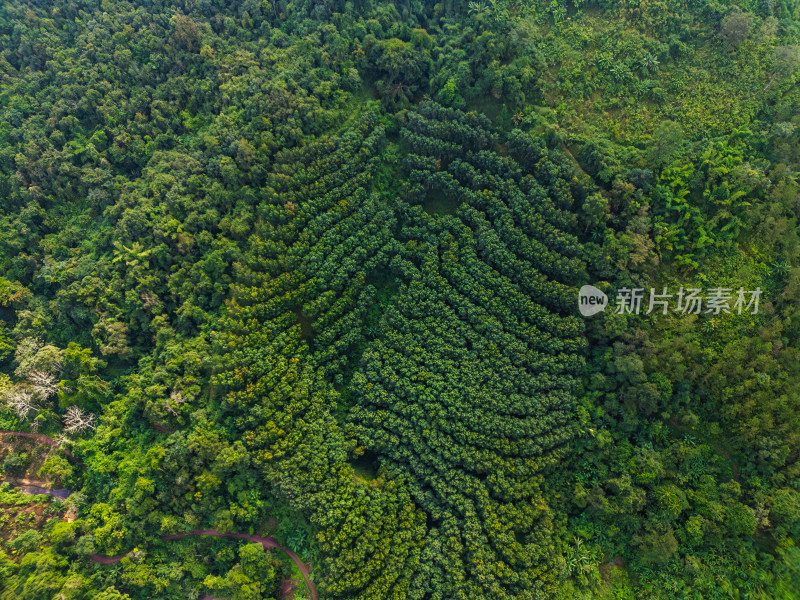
x=162 y=429
x=107 y=560
x=36 y=486
x=45 y=439
x=266 y=543
x=40 y=437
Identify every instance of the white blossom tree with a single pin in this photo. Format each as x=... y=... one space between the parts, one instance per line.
x=21 y=401
x=77 y=421
x=176 y=398
x=43 y=384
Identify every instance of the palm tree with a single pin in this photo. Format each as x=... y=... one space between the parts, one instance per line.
x=478 y=10
x=399 y=90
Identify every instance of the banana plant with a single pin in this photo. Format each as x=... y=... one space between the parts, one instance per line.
x=134 y=256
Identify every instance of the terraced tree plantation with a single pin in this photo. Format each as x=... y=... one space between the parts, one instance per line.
x=468 y=393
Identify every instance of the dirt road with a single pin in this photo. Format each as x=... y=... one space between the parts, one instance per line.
x=44 y=439
x=36 y=486
x=39 y=437
x=266 y=543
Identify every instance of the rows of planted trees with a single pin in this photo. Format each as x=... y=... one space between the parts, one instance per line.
x=468 y=390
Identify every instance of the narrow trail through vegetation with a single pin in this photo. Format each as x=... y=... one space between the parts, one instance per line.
x=45 y=439
x=40 y=437
x=37 y=487
x=266 y=542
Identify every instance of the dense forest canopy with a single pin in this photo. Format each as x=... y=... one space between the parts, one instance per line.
x=288 y=299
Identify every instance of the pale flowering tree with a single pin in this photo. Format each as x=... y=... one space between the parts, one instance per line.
x=21 y=401
x=26 y=398
x=25 y=354
x=77 y=421
x=176 y=398
x=43 y=384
